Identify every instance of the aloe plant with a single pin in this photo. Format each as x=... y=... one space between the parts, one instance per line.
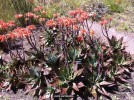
x=70 y=60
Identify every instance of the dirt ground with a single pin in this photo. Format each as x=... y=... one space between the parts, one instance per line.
x=18 y=96
x=125 y=21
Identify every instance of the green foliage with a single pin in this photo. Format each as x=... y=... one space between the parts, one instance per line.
x=63 y=6
x=22 y=6
x=6 y=10
x=114 y=6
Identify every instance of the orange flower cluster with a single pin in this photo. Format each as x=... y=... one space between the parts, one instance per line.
x=76 y=12
x=42 y=20
x=33 y=15
x=18 y=16
x=18 y=33
x=92 y=32
x=56 y=15
x=6 y=25
x=27 y=15
x=63 y=21
x=31 y=1
x=38 y=8
x=66 y=21
x=75 y=27
x=30 y=15
x=31 y=27
x=80 y=37
x=51 y=23
x=3 y=25
x=79 y=14
x=93 y=14
x=11 y=24
x=2 y=38
x=82 y=32
x=105 y=21
x=44 y=12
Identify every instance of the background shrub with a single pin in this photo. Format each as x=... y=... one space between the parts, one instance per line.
x=115 y=5
x=6 y=10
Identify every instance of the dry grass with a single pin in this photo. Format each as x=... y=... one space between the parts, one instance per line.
x=6 y=10
x=52 y=6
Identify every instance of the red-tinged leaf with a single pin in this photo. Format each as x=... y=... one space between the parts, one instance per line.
x=90 y=68
x=46 y=71
x=55 y=83
x=103 y=92
x=104 y=48
x=127 y=70
x=42 y=97
x=9 y=88
x=109 y=60
x=80 y=85
x=109 y=51
x=5 y=84
x=111 y=85
x=64 y=91
x=131 y=69
x=57 y=91
x=72 y=92
x=127 y=63
x=106 y=63
x=85 y=56
x=40 y=92
x=75 y=66
x=75 y=87
x=93 y=92
x=46 y=97
x=78 y=73
x=122 y=79
x=105 y=83
x=33 y=92
x=120 y=71
x=28 y=89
